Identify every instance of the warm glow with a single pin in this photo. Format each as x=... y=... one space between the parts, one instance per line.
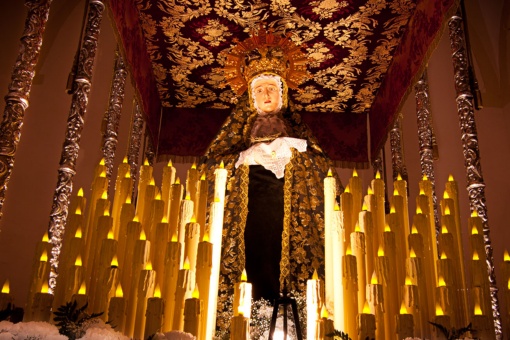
x=128 y=200
x=186 y=264
x=414 y=230
x=83 y=289
x=169 y=164
x=244 y=277
x=474 y=231
x=395 y=192
x=474 y=213
x=101 y=162
x=387 y=228
x=118 y=292
x=399 y=177
x=174 y=237
x=475 y=256
x=370 y=191
x=45 y=237
x=177 y=181
x=164 y=219
x=104 y=195
x=44 y=256
x=217 y=200
x=508 y=284
x=392 y=209
x=188 y=196
x=450 y=178
x=78 y=211
x=377 y=175
x=330 y=173
x=78 y=262
x=196 y=293
x=125 y=160
x=315 y=276
x=347 y=189
x=222 y=165
x=80 y=192
x=439 y=310
x=445 y=195
x=193 y=166
x=206 y=237
x=143 y=237
x=193 y=219
x=357 y=228
x=447 y=210
x=374 y=279
x=424 y=178
x=364 y=207
x=348 y=251
x=354 y=173
x=127 y=175
x=324 y=312
x=337 y=207
x=115 y=262
x=506 y=256
x=158 y=197
x=366 y=308
x=5 y=287
x=45 y=288
x=418 y=210
x=78 y=233
x=152 y=182
x=380 y=251
x=412 y=253
x=136 y=219
x=103 y=174
x=441 y=282
x=110 y=235
x=478 y=310
x=444 y=230
x=202 y=178
x=106 y=212
x=403 y=309
x=408 y=281
x=146 y=162
x=157 y=292
x=148 y=265
x=422 y=192
x=443 y=256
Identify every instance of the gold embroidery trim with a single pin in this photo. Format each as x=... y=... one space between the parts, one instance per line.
x=245 y=180
x=287 y=198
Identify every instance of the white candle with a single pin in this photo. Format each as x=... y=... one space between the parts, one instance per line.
x=192 y=313
x=242 y=296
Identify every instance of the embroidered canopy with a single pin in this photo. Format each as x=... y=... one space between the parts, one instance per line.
x=363 y=57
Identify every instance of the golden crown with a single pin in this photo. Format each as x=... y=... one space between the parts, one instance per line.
x=264 y=52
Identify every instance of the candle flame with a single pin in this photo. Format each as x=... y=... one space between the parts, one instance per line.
x=44 y=256
x=206 y=237
x=78 y=211
x=174 y=237
x=83 y=289
x=337 y=207
x=444 y=229
x=146 y=162
x=422 y=192
x=186 y=264
x=152 y=182
x=128 y=200
x=164 y=219
x=315 y=276
x=177 y=181
x=364 y=207
x=403 y=309
x=474 y=230
x=508 y=284
x=115 y=261
x=357 y=228
x=125 y=160
x=370 y=191
x=395 y=192
x=217 y=200
x=380 y=251
x=354 y=173
x=506 y=256
x=222 y=165
x=366 y=308
x=143 y=237
x=324 y=312
x=447 y=210
x=127 y=174
x=103 y=174
x=169 y=164
x=418 y=210
x=387 y=228
x=412 y=253
x=244 y=276
x=193 y=219
x=374 y=279
x=78 y=262
x=475 y=255
x=441 y=281
x=330 y=173
x=478 y=309
x=408 y=281
x=80 y=192
x=347 y=189
x=196 y=293
x=157 y=291
x=450 y=178
x=474 y=213
x=158 y=197
x=5 y=288
x=104 y=195
x=392 y=209
x=377 y=175
x=194 y=166
x=443 y=256
x=45 y=288
x=101 y=162
x=439 y=310
x=202 y=178
x=414 y=230
x=148 y=265
x=118 y=292
x=348 y=251
x=136 y=218
x=424 y=178
x=446 y=195
x=78 y=233
x=106 y=212
x=399 y=177
x=110 y=235
x=188 y=196
x=45 y=238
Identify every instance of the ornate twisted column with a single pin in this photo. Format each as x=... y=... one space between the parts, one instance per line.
x=135 y=140
x=150 y=155
x=426 y=138
x=112 y=115
x=397 y=150
x=476 y=185
x=66 y=171
x=16 y=100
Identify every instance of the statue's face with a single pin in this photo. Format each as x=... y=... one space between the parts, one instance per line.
x=267 y=95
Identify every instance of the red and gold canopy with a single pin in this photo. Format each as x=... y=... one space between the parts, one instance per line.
x=363 y=56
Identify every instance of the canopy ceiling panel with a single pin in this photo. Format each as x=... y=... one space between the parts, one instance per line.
x=363 y=57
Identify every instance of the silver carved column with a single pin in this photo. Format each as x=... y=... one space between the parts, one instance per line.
x=135 y=141
x=112 y=116
x=80 y=94
x=475 y=182
x=397 y=150
x=426 y=139
x=16 y=100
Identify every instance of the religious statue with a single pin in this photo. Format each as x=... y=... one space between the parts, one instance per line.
x=274 y=204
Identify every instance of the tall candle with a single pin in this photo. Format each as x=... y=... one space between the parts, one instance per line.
x=70 y=283
x=375 y=300
x=160 y=243
x=337 y=237
x=367 y=227
x=40 y=273
x=329 y=236
x=78 y=203
x=192 y=186
x=172 y=265
x=416 y=272
x=123 y=190
x=443 y=320
x=240 y=328
x=117 y=310
x=133 y=233
x=154 y=314
x=174 y=206
x=166 y=185
x=127 y=214
x=203 y=278
x=156 y=214
x=377 y=186
x=107 y=284
x=355 y=187
x=400 y=186
x=242 y=296
x=41 y=306
x=146 y=286
x=192 y=313
x=191 y=239
x=387 y=279
x=346 y=206
x=358 y=250
x=201 y=210
x=185 y=216
x=81 y=298
x=405 y=324
x=314 y=303
x=185 y=284
x=144 y=180
x=350 y=287
x=411 y=303
x=366 y=323
x=144 y=205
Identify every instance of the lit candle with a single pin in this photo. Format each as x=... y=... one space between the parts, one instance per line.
x=405 y=324
x=192 y=186
x=346 y=206
x=337 y=238
x=445 y=297
x=329 y=236
x=475 y=222
x=81 y=298
x=377 y=186
x=242 y=296
x=144 y=180
x=102 y=263
x=174 y=206
x=70 y=283
x=191 y=240
x=185 y=284
x=117 y=310
x=166 y=185
x=370 y=201
x=40 y=273
x=326 y=326
x=416 y=271
x=203 y=278
x=144 y=205
x=239 y=328
x=202 y=204
x=355 y=187
x=5 y=296
x=350 y=290
x=367 y=227
x=146 y=286
x=156 y=213
x=127 y=214
x=387 y=279
x=186 y=213
x=78 y=203
x=96 y=234
x=160 y=243
x=123 y=190
x=133 y=233
x=98 y=191
x=154 y=314
x=41 y=306
x=366 y=323
x=481 y=324
x=192 y=313
x=411 y=303
x=172 y=265
x=358 y=250
x=441 y=319
x=107 y=284
x=400 y=186
x=375 y=300
x=314 y=303
x=220 y=182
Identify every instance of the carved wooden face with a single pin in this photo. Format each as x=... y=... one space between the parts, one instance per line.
x=267 y=98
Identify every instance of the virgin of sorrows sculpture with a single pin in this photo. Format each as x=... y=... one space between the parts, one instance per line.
x=274 y=202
